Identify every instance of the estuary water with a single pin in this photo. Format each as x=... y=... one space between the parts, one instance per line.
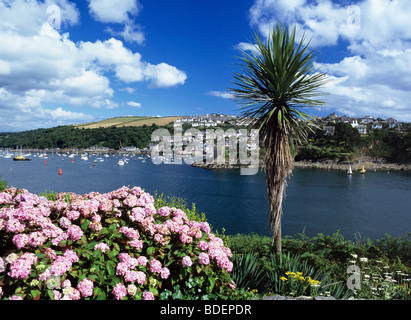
x=316 y=201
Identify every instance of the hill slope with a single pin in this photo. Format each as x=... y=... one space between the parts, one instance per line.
x=128 y=122
x=111 y=133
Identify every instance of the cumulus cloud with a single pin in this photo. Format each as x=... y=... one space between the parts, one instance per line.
x=113 y=11
x=131 y=33
x=119 y=12
x=163 y=75
x=43 y=72
x=374 y=76
x=134 y=104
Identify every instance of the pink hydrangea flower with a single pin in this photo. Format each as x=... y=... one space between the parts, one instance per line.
x=137 y=214
x=130 y=233
x=56 y=295
x=102 y=246
x=138 y=244
x=203 y=258
x=50 y=253
x=141 y=277
x=37 y=238
x=74 y=294
x=20 y=240
x=186 y=261
x=155 y=266
x=65 y=222
x=3 y=264
x=14 y=226
x=21 y=268
x=164 y=211
x=147 y=295
x=72 y=214
x=142 y=260
x=130 y=276
x=74 y=232
x=71 y=255
x=131 y=200
x=119 y=291
x=203 y=245
x=85 y=287
x=165 y=273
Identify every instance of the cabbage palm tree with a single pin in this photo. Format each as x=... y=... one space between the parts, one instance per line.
x=278 y=77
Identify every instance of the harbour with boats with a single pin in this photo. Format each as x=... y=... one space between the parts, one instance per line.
x=317 y=200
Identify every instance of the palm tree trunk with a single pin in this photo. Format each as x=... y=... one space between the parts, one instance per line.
x=278 y=168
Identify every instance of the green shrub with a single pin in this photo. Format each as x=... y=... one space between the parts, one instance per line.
x=325 y=258
x=3 y=184
x=116 y=245
x=248 y=272
x=377 y=280
x=251 y=243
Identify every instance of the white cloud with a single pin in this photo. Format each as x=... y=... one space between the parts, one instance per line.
x=119 y=12
x=374 y=76
x=163 y=75
x=128 y=90
x=113 y=11
x=134 y=104
x=43 y=72
x=221 y=94
x=130 y=33
x=25 y=17
x=128 y=66
x=87 y=84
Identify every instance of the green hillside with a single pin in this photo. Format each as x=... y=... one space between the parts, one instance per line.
x=112 y=133
x=128 y=122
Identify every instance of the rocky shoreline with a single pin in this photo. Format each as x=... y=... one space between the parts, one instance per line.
x=324 y=165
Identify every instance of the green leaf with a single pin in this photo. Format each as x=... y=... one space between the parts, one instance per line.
x=91 y=245
x=35 y=294
x=101 y=296
x=212 y=282
x=85 y=224
x=50 y=294
x=98 y=253
x=111 y=268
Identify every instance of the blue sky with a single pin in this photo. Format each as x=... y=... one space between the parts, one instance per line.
x=67 y=62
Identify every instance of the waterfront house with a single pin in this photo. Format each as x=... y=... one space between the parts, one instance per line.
x=376 y=125
x=362 y=129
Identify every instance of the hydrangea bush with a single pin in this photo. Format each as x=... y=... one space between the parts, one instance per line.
x=116 y=245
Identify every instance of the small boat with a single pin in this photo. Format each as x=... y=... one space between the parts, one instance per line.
x=363 y=171
x=21 y=158
x=120 y=162
x=349 y=172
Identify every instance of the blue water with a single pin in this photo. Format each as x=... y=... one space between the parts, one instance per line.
x=316 y=201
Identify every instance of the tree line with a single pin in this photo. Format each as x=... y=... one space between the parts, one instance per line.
x=72 y=137
x=347 y=144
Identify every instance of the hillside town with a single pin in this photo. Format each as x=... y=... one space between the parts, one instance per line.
x=362 y=124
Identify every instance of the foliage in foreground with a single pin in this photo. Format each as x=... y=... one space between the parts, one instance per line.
x=320 y=265
x=116 y=245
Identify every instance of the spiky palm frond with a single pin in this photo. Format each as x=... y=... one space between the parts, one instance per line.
x=278 y=78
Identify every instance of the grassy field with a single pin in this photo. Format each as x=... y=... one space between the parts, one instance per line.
x=128 y=122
